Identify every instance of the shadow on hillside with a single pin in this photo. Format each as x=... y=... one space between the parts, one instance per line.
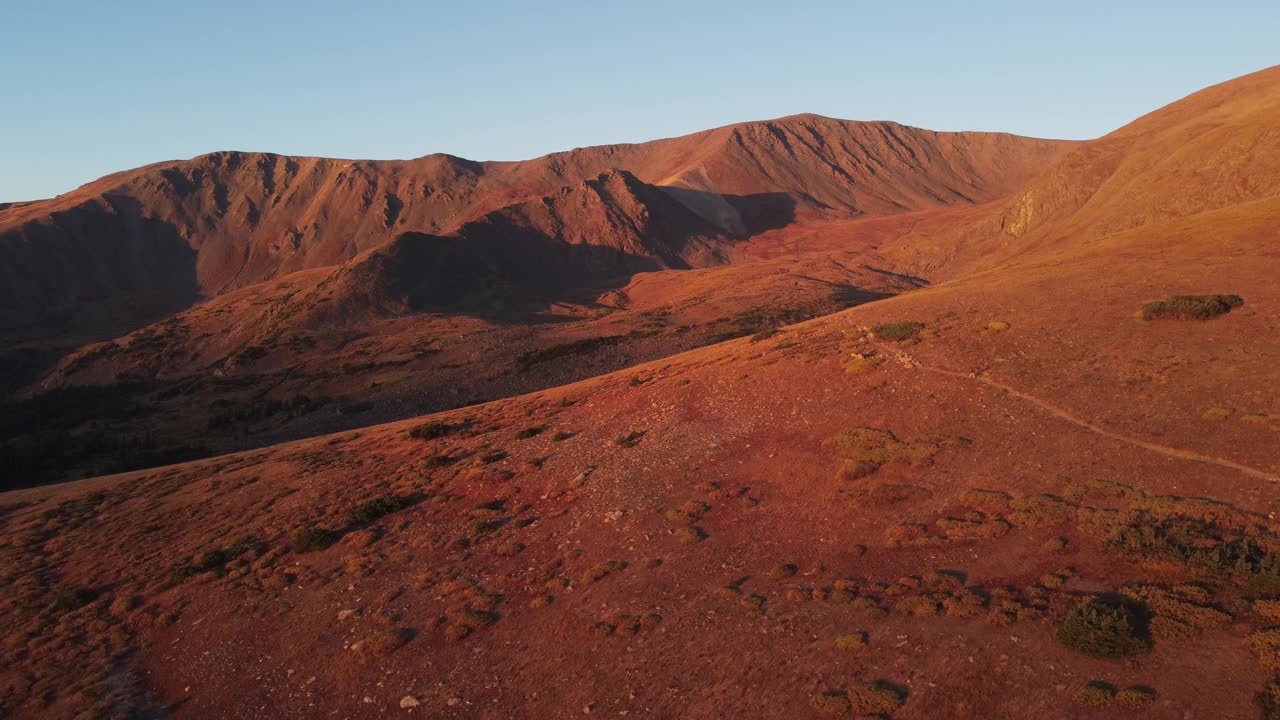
x=94 y=272
x=497 y=269
x=742 y=216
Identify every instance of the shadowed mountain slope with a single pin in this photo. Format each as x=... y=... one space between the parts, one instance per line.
x=142 y=242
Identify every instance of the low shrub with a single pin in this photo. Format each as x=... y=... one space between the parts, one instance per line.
x=378 y=507
x=1265 y=644
x=782 y=571
x=832 y=703
x=1269 y=609
x=430 y=430
x=585 y=346
x=1135 y=697
x=1191 y=307
x=439 y=460
x=68 y=598
x=862 y=364
x=1104 y=629
x=384 y=643
x=875 y=698
x=897 y=330
x=878 y=447
x=600 y=571
x=1175 y=618
x=852 y=641
x=1094 y=694
x=1268 y=699
x=311 y=538
x=630 y=439
x=1200 y=543
x=690 y=535
x=1215 y=414
x=508 y=549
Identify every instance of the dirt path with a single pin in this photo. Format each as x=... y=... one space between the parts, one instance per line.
x=1064 y=414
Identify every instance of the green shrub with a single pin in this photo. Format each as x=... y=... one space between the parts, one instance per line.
x=529 y=432
x=1191 y=307
x=1104 y=629
x=312 y=538
x=439 y=460
x=1202 y=544
x=378 y=507
x=430 y=430
x=585 y=346
x=897 y=330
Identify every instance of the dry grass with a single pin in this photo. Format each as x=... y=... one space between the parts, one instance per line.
x=1175 y=618
x=875 y=698
x=862 y=364
x=690 y=535
x=1216 y=414
x=1094 y=694
x=879 y=447
x=1265 y=645
x=508 y=549
x=1135 y=697
x=1269 y=609
x=782 y=571
x=832 y=703
x=383 y=643
x=600 y=571
x=852 y=641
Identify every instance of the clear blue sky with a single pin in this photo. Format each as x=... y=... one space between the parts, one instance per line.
x=88 y=88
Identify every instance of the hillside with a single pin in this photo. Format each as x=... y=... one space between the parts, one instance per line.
x=1213 y=149
x=421 y=267
x=142 y=243
x=1028 y=489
